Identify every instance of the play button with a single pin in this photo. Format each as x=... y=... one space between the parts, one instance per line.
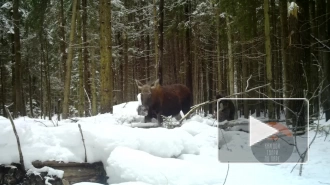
x=259 y=131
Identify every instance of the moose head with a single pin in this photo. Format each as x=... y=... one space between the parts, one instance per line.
x=146 y=95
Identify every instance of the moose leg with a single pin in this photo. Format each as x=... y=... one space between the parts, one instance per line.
x=147 y=118
x=160 y=119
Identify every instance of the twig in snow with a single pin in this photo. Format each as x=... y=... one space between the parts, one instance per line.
x=41 y=122
x=226 y=175
x=125 y=105
x=21 y=160
x=82 y=136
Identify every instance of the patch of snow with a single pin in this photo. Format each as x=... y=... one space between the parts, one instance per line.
x=50 y=171
x=135 y=156
x=130 y=165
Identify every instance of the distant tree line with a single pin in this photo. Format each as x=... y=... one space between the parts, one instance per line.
x=87 y=54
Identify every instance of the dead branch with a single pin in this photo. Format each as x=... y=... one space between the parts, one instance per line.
x=320 y=42
x=21 y=160
x=83 y=140
x=41 y=122
x=208 y=102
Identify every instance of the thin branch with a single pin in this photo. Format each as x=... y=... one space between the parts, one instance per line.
x=208 y=102
x=226 y=175
x=82 y=136
x=247 y=82
x=41 y=122
x=320 y=42
x=21 y=160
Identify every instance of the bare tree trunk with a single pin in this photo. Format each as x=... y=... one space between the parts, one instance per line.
x=188 y=54
x=148 y=56
x=67 y=81
x=19 y=107
x=93 y=85
x=161 y=42
x=220 y=87
x=268 y=60
x=87 y=73
x=47 y=75
x=284 y=45
x=3 y=85
x=106 y=57
x=81 y=91
x=230 y=57
x=155 y=37
x=62 y=39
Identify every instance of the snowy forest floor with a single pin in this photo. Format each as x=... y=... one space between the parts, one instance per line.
x=185 y=155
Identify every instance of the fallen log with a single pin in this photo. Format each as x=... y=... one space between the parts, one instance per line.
x=77 y=172
x=144 y=125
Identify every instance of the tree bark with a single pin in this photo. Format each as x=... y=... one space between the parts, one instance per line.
x=62 y=39
x=67 y=81
x=81 y=91
x=87 y=73
x=161 y=42
x=106 y=57
x=270 y=105
x=19 y=106
x=93 y=83
x=230 y=57
x=155 y=37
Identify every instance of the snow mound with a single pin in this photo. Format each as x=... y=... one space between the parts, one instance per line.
x=127 y=164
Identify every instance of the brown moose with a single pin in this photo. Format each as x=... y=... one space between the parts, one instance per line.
x=226 y=110
x=167 y=100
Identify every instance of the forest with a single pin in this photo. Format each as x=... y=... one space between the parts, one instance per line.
x=81 y=57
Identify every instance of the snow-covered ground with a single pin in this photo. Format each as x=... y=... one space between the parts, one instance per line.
x=182 y=156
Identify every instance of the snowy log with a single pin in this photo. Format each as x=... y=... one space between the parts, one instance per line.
x=145 y=125
x=77 y=172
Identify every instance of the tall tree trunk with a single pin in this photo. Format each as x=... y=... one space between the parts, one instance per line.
x=219 y=72
x=230 y=57
x=284 y=46
x=188 y=54
x=297 y=82
x=126 y=92
x=148 y=56
x=3 y=85
x=87 y=73
x=106 y=57
x=155 y=37
x=161 y=42
x=47 y=75
x=81 y=93
x=62 y=39
x=268 y=61
x=93 y=83
x=67 y=81
x=314 y=65
x=19 y=107
x=323 y=55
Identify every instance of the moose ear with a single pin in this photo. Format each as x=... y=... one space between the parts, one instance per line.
x=156 y=83
x=139 y=84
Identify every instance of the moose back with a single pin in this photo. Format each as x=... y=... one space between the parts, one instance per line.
x=167 y=100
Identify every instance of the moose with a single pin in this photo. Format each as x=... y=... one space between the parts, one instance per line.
x=167 y=100
x=226 y=109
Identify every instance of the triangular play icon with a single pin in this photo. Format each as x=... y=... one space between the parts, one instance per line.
x=259 y=131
